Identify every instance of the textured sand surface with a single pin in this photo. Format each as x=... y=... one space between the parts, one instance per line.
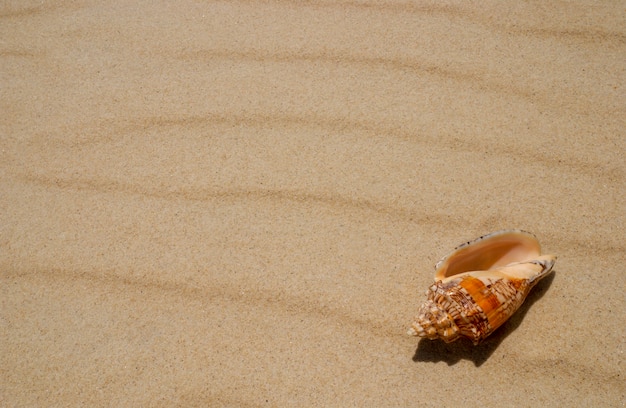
x=240 y=203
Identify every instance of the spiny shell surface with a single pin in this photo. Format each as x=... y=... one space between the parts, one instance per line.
x=480 y=285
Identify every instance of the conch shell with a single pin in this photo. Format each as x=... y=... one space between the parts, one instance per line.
x=480 y=285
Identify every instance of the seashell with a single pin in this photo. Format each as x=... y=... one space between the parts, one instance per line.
x=480 y=285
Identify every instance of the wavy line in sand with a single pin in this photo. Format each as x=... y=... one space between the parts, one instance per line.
x=109 y=130
x=209 y=292
x=334 y=201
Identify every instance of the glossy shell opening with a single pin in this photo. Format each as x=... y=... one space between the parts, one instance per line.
x=488 y=252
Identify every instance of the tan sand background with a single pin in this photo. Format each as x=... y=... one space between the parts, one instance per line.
x=240 y=203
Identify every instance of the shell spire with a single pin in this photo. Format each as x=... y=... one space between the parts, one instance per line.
x=480 y=285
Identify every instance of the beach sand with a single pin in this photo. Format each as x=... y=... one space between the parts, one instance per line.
x=240 y=203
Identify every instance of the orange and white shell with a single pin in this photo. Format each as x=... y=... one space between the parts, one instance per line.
x=480 y=285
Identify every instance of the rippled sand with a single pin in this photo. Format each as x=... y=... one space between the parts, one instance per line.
x=240 y=203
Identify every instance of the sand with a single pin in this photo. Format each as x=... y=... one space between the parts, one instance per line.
x=240 y=203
